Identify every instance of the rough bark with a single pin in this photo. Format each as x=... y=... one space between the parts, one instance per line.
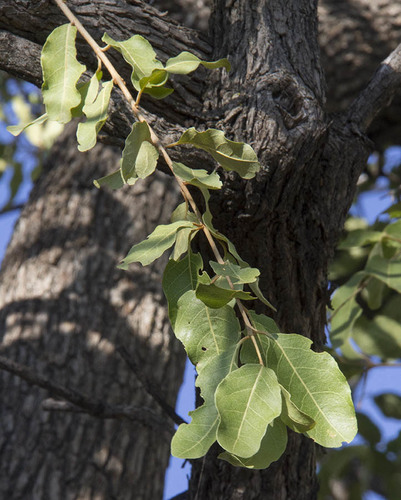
x=354 y=38
x=64 y=310
x=287 y=220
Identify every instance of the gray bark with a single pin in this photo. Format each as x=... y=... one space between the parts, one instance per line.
x=64 y=310
x=288 y=219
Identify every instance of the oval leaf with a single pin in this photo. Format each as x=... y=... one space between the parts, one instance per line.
x=193 y=440
x=162 y=238
x=96 y=114
x=197 y=177
x=214 y=296
x=178 y=278
x=204 y=332
x=139 y=156
x=247 y=400
x=273 y=445
x=186 y=62
x=61 y=72
x=139 y=54
x=238 y=275
x=231 y=155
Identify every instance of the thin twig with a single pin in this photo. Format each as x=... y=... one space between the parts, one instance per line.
x=83 y=403
x=149 y=386
x=11 y=208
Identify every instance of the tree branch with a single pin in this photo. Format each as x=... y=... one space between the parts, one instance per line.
x=378 y=93
x=149 y=386
x=121 y=20
x=79 y=402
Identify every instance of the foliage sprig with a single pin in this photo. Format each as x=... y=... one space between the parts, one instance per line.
x=254 y=380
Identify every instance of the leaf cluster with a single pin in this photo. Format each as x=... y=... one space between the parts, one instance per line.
x=254 y=380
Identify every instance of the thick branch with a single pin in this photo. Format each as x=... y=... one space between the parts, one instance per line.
x=91 y=406
x=379 y=92
x=121 y=19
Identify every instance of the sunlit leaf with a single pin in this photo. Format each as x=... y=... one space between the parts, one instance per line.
x=162 y=238
x=203 y=331
x=273 y=445
x=96 y=116
x=316 y=384
x=236 y=273
x=61 y=72
x=139 y=156
x=247 y=399
x=193 y=440
x=17 y=129
x=113 y=181
x=197 y=177
x=139 y=54
x=231 y=155
x=214 y=296
x=186 y=62
x=178 y=278
x=292 y=416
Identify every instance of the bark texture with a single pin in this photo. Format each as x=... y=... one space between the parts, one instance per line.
x=285 y=222
x=64 y=309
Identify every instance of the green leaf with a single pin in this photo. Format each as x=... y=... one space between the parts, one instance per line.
x=193 y=440
x=96 y=114
x=388 y=271
x=157 y=79
x=186 y=62
x=139 y=54
x=17 y=129
x=292 y=416
x=316 y=384
x=381 y=335
x=346 y=310
x=207 y=219
x=230 y=155
x=367 y=429
x=247 y=399
x=273 y=445
x=360 y=237
x=162 y=238
x=139 y=156
x=113 y=181
x=389 y=404
x=373 y=293
x=159 y=92
x=197 y=177
x=213 y=369
x=214 y=296
x=182 y=213
x=204 y=332
x=182 y=241
x=61 y=72
x=238 y=275
x=178 y=278
x=394 y=211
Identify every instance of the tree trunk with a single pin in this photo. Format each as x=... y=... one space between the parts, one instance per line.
x=64 y=309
